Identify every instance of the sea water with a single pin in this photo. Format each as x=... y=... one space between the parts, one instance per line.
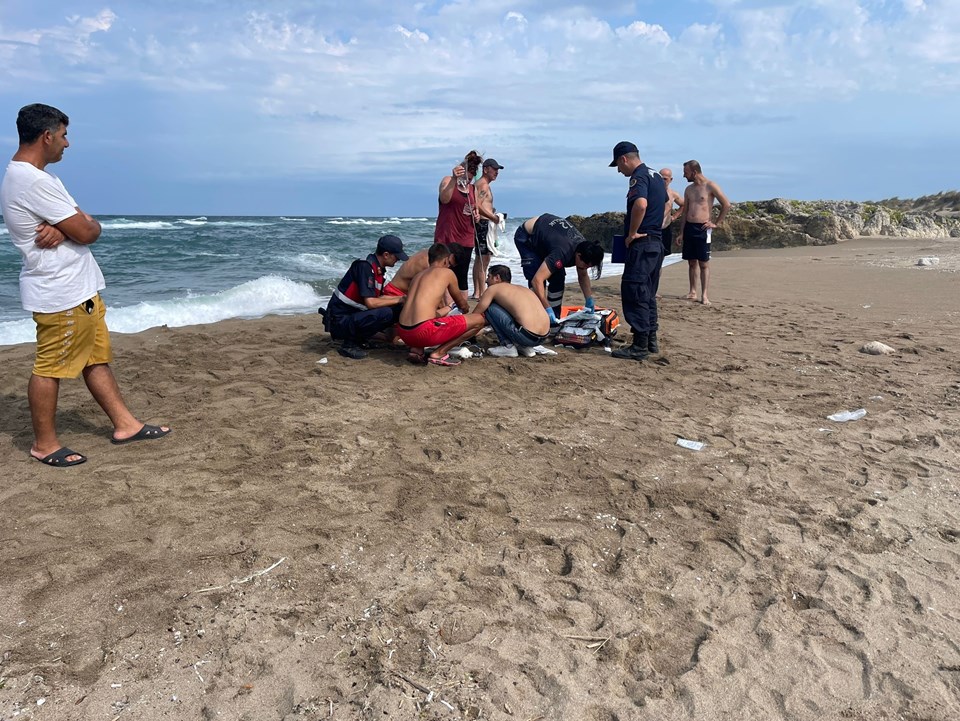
x=185 y=271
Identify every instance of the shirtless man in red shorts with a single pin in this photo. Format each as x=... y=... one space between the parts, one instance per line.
x=449 y=255
x=421 y=324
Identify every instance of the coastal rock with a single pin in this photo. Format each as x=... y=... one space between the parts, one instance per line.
x=781 y=223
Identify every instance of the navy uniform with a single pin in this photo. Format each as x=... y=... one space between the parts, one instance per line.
x=641 y=270
x=346 y=317
x=554 y=241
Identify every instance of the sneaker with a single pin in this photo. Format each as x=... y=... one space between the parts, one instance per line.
x=503 y=351
x=352 y=350
x=526 y=351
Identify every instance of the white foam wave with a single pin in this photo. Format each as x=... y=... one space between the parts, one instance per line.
x=195 y=221
x=238 y=223
x=124 y=224
x=4 y=231
x=322 y=264
x=293 y=220
x=357 y=221
x=253 y=299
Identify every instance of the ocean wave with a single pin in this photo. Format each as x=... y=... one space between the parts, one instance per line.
x=124 y=224
x=239 y=223
x=293 y=220
x=357 y=221
x=324 y=265
x=254 y=299
x=4 y=231
x=202 y=220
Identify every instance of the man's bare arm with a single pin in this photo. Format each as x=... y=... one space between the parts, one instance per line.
x=384 y=301
x=459 y=297
x=538 y=284
x=48 y=236
x=485 y=203
x=489 y=295
x=724 y=203
x=80 y=228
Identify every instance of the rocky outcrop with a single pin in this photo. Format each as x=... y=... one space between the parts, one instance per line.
x=780 y=223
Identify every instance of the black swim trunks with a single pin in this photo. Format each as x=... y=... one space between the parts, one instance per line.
x=482 y=228
x=696 y=242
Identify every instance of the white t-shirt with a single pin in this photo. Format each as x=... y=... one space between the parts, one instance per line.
x=52 y=279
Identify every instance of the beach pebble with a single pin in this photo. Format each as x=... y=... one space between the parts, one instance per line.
x=877 y=348
x=929 y=260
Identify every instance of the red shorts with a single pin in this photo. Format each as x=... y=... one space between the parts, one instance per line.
x=391 y=289
x=435 y=331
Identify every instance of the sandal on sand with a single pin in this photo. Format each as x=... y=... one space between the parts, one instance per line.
x=147 y=433
x=417 y=356
x=445 y=361
x=58 y=459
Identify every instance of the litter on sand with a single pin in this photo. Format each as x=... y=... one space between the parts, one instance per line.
x=543 y=350
x=927 y=261
x=692 y=445
x=844 y=416
x=322 y=361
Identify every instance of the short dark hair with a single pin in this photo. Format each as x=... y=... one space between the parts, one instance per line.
x=591 y=253
x=34 y=120
x=500 y=271
x=693 y=165
x=461 y=255
x=437 y=251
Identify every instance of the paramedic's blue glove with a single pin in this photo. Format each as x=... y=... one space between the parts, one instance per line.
x=552 y=316
x=590 y=304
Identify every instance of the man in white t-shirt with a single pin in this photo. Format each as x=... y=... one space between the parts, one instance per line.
x=60 y=283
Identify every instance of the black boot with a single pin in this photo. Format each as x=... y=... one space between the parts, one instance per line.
x=652 y=344
x=350 y=349
x=637 y=351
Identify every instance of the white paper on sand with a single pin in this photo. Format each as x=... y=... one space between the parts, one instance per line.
x=844 y=416
x=543 y=350
x=692 y=445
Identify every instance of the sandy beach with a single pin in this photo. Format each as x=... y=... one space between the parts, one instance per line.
x=514 y=539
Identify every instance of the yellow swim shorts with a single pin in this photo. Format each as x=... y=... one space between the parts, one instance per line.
x=71 y=340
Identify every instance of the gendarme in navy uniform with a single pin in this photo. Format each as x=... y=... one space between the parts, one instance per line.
x=646 y=199
x=358 y=309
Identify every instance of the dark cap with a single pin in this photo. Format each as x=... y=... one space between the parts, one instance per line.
x=491 y=163
x=392 y=244
x=622 y=148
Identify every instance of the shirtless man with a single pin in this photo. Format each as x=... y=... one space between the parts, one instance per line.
x=419 y=325
x=450 y=255
x=696 y=224
x=488 y=214
x=669 y=214
x=515 y=313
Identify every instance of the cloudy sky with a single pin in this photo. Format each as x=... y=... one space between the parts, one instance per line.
x=326 y=107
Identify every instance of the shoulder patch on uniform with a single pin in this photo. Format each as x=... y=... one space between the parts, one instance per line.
x=559 y=264
x=370 y=282
x=633 y=181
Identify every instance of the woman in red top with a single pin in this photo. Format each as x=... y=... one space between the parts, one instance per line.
x=458 y=212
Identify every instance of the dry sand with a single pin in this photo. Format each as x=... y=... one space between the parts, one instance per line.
x=514 y=539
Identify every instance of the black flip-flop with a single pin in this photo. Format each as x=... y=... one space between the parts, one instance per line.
x=147 y=433
x=58 y=459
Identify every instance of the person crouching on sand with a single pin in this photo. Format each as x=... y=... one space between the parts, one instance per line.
x=515 y=313
x=423 y=322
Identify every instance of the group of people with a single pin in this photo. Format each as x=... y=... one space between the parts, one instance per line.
x=424 y=305
x=647 y=237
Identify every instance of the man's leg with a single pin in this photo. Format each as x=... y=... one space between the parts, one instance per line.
x=42 y=395
x=704 y=280
x=475 y=322
x=556 y=284
x=693 y=267
x=105 y=391
x=480 y=264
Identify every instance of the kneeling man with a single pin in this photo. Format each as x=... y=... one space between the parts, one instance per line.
x=515 y=313
x=421 y=324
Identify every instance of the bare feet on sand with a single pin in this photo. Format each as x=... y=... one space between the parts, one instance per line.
x=705 y=301
x=691 y=295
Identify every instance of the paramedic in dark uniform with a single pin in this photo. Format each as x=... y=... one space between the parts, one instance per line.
x=358 y=309
x=646 y=199
x=548 y=245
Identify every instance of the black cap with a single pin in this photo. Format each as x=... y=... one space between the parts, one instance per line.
x=392 y=244
x=622 y=148
x=491 y=163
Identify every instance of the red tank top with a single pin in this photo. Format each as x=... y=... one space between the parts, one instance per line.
x=454 y=227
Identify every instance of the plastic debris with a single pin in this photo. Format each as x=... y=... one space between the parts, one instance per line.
x=844 y=416
x=322 y=361
x=928 y=261
x=877 y=348
x=692 y=445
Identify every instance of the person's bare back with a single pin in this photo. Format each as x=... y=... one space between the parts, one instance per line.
x=426 y=294
x=418 y=263
x=520 y=302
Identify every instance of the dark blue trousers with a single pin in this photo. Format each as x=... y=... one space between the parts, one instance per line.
x=363 y=324
x=638 y=288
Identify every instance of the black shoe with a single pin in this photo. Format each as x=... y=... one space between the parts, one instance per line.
x=352 y=350
x=631 y=352
x=652 y=344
